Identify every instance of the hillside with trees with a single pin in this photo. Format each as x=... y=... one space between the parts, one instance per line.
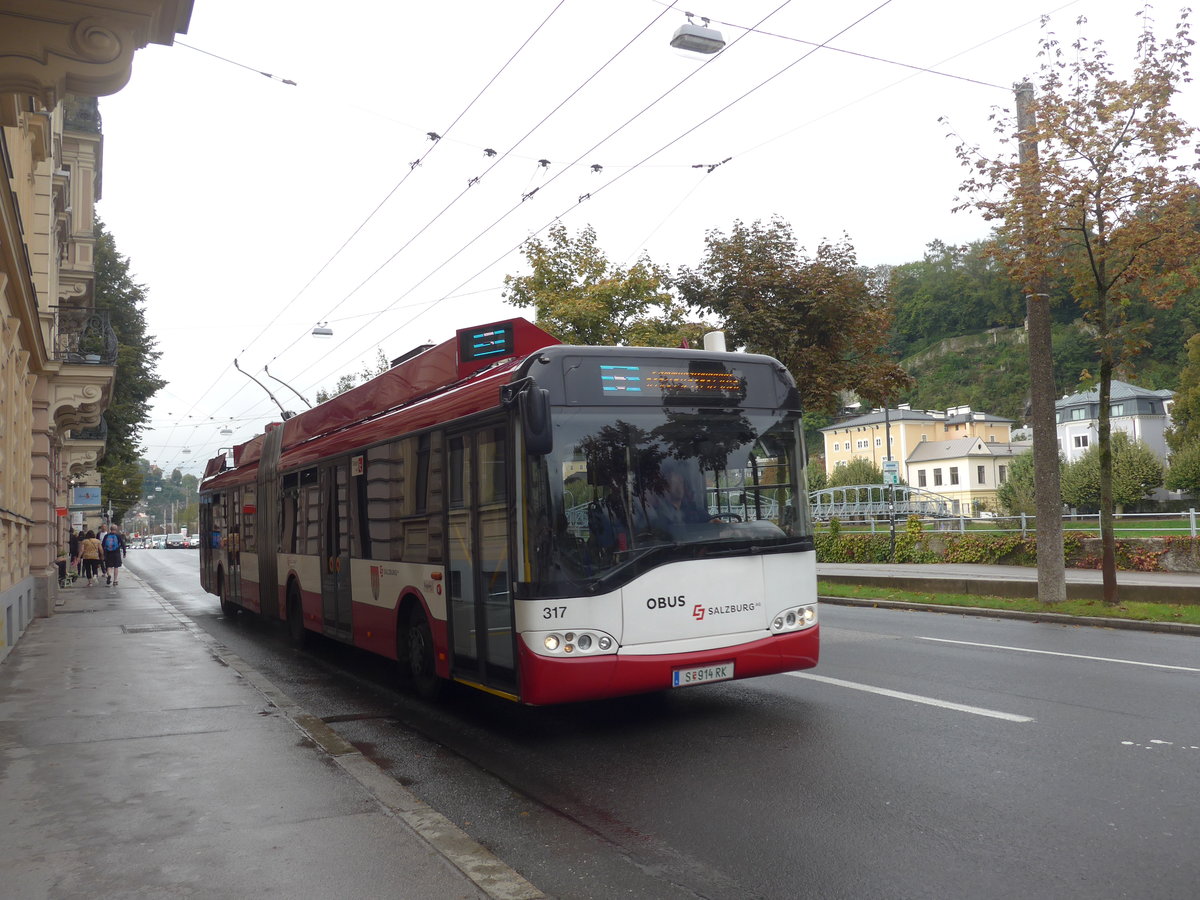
x=958 y=331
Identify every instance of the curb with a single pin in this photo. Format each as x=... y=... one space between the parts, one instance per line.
x=487 y=871
x=1057 y=618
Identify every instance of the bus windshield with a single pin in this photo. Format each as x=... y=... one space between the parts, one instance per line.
x=625 y=489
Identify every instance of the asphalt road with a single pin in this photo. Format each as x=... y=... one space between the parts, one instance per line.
x=929 y=755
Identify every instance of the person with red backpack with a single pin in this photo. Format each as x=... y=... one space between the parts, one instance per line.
x=114 y=548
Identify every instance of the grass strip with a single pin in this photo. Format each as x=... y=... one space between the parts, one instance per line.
x=1146 y=612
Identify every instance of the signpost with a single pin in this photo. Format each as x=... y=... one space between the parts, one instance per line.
x=891 y=477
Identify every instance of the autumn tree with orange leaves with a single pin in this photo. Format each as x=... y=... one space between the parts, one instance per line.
x=1108 y=199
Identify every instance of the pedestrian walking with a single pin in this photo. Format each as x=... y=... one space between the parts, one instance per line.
x=90 y=552
x=114 y=549
x=73 y=551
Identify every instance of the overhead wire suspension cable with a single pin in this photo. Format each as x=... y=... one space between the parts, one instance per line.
x=566 y=168
x=669 y=144
x=499 y=159
x=388 y=196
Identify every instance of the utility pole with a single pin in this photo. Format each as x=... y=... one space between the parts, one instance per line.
x=1052 y=579
x=890 y=475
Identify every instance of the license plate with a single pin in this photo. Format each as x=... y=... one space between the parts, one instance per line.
x=701 y=674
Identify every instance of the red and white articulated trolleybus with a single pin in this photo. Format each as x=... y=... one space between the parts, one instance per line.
x=543 y=522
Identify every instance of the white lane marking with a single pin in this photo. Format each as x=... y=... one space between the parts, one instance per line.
x=1128 y=662
x=914 y=698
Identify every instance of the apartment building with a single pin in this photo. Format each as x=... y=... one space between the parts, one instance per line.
x=1143 y=414
x=57 y=352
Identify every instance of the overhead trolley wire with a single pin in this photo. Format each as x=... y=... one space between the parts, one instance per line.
x=498 y=159
x=665 y=146
x=390 y=193
x=608 y=137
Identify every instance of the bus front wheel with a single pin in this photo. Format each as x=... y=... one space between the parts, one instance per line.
x=421 y=666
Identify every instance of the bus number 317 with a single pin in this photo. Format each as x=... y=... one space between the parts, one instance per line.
x=553 y=612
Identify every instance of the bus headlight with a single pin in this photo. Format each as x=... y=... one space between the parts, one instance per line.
x=794 y=619
x=573 y=643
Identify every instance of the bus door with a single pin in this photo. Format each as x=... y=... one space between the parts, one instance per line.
x=233 y=546
x=335 y=549
x=481 y=612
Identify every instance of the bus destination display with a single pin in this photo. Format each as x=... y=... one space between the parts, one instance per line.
x=676 y=381
x=490 y=342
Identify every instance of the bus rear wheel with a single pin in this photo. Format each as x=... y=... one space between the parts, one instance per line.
x=421 y=666
x=297 y=633
x=229 y=609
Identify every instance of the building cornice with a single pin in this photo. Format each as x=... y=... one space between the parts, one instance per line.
x=50 y=48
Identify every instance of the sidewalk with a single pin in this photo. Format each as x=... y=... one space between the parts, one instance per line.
x=139 y=758
x=1016 y=581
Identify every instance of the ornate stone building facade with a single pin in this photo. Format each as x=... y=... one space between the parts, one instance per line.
x=57 y=353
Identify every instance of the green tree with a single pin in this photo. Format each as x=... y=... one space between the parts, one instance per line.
x=582 y=298
x=1185 y=413
x=137 y=373
x=1136 y=472
x=1016 y=495
x=1106 y=199
x=1184 y=473
x=857 y=471
x=818 y=315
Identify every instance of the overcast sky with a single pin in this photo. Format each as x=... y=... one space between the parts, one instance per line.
x=252 y=209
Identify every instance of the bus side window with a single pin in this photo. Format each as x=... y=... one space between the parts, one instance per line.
x=288 y=502
x=249 y=518
x=434 y=495
x=309 y=522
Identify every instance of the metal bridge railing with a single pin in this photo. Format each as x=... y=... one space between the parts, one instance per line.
x=870 y=501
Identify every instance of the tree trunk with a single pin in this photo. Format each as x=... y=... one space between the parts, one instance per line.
x=1047 y=488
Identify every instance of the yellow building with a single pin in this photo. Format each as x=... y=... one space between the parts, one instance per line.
x=864 y=436
x=57 y=353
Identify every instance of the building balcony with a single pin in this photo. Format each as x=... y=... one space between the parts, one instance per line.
x=83 y=336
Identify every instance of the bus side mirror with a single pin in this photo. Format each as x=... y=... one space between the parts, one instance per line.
x=534 y=405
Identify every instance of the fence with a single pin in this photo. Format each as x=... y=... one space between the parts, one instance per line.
x=1152 y=524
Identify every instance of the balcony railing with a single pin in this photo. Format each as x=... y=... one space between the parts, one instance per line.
x=98 y=433
x=84 y=336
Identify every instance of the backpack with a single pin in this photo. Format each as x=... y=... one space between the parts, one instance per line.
x=112 y=542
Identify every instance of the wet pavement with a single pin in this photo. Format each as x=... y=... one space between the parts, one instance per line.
x=138 y=757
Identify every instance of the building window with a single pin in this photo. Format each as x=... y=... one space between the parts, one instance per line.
x=862 y=445
x=937 y=477
x=1003 y=474
x=836 y=447
x=954 y=474
x=1079 y=413
x=980 y=473
x=878 y=442
x=924 y=438
x=991 y=439
x=920 y=478
x=1117 y=409
x=1081 y=440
